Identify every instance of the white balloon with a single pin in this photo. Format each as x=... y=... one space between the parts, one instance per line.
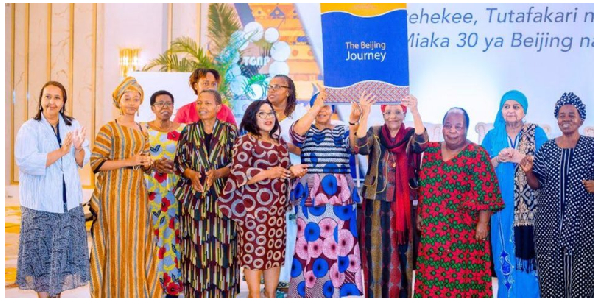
x=237 y=85
x=256 y=91
x=280 y=51
x=254 y=31
x=236 y=70
x=279 y=68
x=271 y=34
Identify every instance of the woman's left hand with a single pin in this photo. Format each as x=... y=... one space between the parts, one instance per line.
x=482 y=231
x=78 y=138
x=210 y=178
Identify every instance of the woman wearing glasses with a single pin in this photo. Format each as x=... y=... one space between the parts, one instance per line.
x=256 y=196
x=394 y=157
x=124 y=258
x=164 y=134
x=50 y=149
x=209 y=240
x=282 y=95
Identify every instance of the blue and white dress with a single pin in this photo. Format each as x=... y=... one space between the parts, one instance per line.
x=327 y=255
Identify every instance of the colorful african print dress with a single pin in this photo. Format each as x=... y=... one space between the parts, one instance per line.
x=259 y=208
x=451 y=262
x=165 y=211
x=209 y=240
x=124 y=257
x=327 y=261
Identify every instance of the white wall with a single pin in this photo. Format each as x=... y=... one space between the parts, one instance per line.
x=140 y=25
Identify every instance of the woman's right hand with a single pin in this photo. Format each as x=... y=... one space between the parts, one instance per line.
x=163 y=165
x=527 y=163
x=277 y=172
x=140 y=160
x=66 y=145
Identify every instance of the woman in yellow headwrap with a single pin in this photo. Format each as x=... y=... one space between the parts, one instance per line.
x=124 y=260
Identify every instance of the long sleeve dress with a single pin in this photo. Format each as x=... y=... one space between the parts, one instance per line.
x=564 y=220
x=209 y=264
x=124 y=257
x=516 y=278
x=388 y=263
x=451 y=262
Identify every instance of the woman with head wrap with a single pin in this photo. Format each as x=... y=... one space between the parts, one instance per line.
x=394 y=155
x=563 y=171
x=458 y=193
x=513 y=252
x=124 y=258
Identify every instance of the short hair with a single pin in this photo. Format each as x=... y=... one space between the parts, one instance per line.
x=201 y=73
x=463 y=112
x=214 y=93
x=249 y=120
x=158 y=93
x=291 y=100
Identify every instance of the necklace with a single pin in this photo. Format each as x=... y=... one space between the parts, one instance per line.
x=158 y=128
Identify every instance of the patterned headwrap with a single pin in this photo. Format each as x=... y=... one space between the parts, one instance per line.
x=570 y=99
x=128 y=84
x=402 y=106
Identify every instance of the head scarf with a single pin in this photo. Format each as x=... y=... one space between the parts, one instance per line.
x=499 y=131
x=570 y=99
x=402 y=106
x=128 y=84
x=524 y=199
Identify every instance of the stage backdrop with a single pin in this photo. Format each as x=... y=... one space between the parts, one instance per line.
x=464 y=55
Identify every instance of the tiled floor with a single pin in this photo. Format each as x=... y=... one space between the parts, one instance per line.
x=12 y=218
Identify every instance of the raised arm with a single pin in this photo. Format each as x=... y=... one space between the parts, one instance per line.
x=303 y=124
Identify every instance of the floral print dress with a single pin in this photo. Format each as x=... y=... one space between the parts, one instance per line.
x=164 y=210
x=327 y=261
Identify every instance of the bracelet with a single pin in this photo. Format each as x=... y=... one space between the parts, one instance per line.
x=353 y=123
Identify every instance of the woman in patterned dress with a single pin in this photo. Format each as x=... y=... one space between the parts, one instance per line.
x=394 y=154
x=327 y=255
x=164 y=208
x=49 y=150
x=256 y=196
x=124 y=258
x=563 y=171
x=512 y=228
x=209 y=266
x=457 y=195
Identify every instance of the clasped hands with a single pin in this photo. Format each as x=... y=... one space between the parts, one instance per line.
x=510 y=155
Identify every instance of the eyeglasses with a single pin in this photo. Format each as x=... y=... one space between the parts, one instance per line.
x=263 y=115
x=276 y=87
x=164 y=104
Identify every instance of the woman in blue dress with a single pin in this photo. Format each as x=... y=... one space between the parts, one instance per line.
x=513 y=252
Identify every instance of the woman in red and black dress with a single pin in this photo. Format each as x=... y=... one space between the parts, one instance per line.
x=458 y=193
x=256 y=196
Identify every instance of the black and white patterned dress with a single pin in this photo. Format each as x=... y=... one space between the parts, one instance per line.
x=564 y=221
